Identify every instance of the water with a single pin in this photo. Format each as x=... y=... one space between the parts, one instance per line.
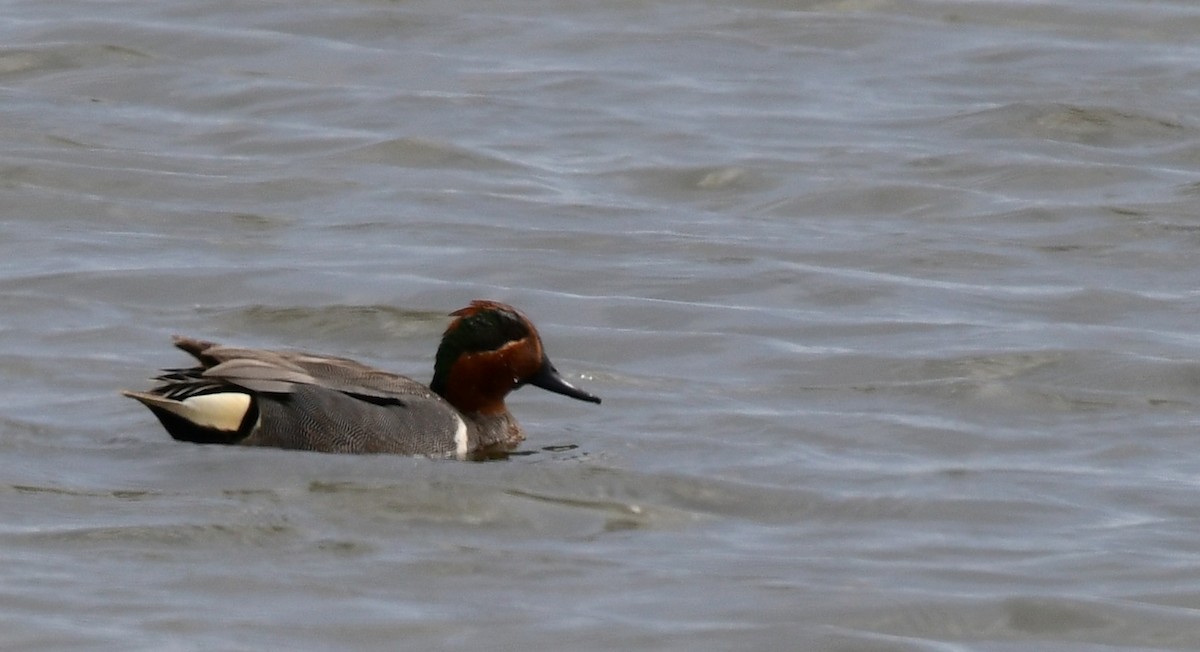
x=892 y=305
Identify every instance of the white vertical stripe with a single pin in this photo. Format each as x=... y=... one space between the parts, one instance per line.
x=460 y=438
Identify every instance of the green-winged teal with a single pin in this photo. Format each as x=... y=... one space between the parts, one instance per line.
x=296 y=400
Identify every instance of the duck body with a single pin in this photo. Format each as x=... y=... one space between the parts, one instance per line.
x=295 y=400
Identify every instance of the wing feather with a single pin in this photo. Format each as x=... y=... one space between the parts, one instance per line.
x=262 y=370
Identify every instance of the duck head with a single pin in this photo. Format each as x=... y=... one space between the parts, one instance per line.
x=489 y=350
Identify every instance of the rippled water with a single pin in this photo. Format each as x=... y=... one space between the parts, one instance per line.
x=893 y=307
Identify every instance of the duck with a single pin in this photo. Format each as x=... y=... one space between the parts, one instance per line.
x=305 y=401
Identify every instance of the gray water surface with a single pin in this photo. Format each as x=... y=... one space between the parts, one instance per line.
x=893 y=307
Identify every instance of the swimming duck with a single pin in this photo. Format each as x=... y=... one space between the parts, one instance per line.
x=288 y=399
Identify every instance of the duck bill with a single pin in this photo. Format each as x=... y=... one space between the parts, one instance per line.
x=548 y=379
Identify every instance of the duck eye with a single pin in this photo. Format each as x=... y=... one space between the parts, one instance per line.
x=488 y=331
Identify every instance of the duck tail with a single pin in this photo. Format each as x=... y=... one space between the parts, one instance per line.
x=224 y=417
